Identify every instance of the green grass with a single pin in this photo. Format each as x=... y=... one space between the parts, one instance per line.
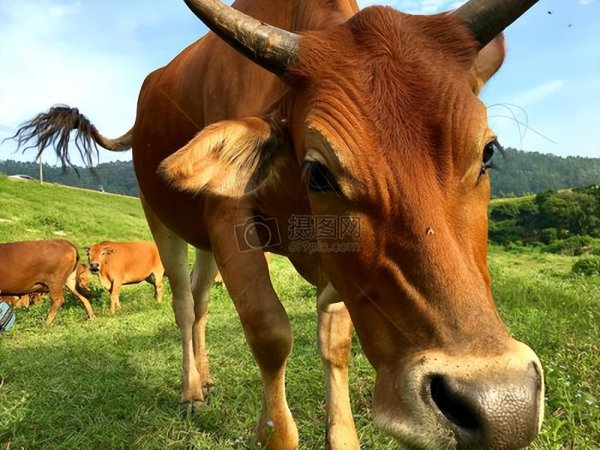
x=114 y=382
x=516 y=200
x=557 y=314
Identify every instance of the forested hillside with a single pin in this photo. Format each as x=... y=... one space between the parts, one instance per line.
x=520 y=172
x=117 y=177
x=517 y=173
x=565 y=221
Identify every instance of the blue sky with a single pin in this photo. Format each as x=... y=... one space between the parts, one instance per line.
x=95 y=54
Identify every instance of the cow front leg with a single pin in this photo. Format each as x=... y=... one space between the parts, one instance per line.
x=202 y=277
x=268 y=333
x=335 y=340
x=173 y=254
x=115 y=290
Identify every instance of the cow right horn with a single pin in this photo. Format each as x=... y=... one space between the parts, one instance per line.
x=488 y=18
x=272 y=48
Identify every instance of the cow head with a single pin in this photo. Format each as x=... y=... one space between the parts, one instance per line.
x=97 y=256
x=383 y=119
x=82 y=279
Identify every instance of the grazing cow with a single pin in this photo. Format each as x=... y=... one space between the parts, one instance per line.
x=362 y=154
x=22 y=301
x=121 y=263
x=35 y=267
x=16 y=301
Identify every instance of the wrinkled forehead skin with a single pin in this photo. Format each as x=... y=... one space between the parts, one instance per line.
x=389 y=100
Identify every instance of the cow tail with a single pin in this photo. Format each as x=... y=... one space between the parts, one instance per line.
x=53 y=128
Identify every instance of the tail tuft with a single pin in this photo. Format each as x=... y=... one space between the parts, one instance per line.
x=53 y=128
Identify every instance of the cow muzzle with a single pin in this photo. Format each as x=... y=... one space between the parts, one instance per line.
x=463 y=402
x=94 y=267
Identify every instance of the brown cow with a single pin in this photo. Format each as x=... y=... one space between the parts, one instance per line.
x=32 y=267
x=370 y=118
x=22 y=301
x=121 y=263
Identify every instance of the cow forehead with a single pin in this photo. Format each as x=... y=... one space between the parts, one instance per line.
x=96 y=250
x=386 y=80
x=378 y=35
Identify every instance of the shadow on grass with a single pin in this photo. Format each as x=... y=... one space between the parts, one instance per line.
x=113 y=387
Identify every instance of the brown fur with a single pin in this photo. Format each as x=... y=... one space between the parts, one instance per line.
x=123 y=263
x=388 y=103
x=33 y=267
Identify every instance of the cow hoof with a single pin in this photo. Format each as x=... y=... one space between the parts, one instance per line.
x=208 y=389
x=189 y=408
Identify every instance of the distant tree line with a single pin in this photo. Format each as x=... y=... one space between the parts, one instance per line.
x=520 y=173
x=117 y=177
x=566 y=221
x=517 y=173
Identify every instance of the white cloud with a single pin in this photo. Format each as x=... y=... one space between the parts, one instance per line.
x=586 y=2
x=52 y=53
x=537 y=93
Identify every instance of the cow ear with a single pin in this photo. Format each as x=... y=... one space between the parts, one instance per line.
x=488 y=61
x=230 y=158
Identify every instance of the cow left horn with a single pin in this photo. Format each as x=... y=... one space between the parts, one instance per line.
x=270 y=47
x=487 y=18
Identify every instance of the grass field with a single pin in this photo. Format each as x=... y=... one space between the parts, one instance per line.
x=114 y=382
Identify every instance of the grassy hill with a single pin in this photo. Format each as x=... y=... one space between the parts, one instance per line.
x=114 y=382
x=31 y=211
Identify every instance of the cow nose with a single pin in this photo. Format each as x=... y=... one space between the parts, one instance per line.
x=94 y=267
x=500 y=413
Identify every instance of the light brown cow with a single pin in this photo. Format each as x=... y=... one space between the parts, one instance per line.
x=122 y=263
x=367 y=123
x=32 y=267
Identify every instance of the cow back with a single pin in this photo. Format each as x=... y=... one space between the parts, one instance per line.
x=35 y=265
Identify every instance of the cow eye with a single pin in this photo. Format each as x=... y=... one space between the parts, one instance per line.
x=318 y=178
x=488 y=155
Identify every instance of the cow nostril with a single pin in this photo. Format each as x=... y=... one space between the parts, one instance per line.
x=452 y=406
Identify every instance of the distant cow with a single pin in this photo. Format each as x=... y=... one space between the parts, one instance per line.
x=119 y=263
x=41 y=267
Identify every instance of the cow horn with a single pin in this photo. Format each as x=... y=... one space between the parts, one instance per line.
x=270 y=47
x=487 y=18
